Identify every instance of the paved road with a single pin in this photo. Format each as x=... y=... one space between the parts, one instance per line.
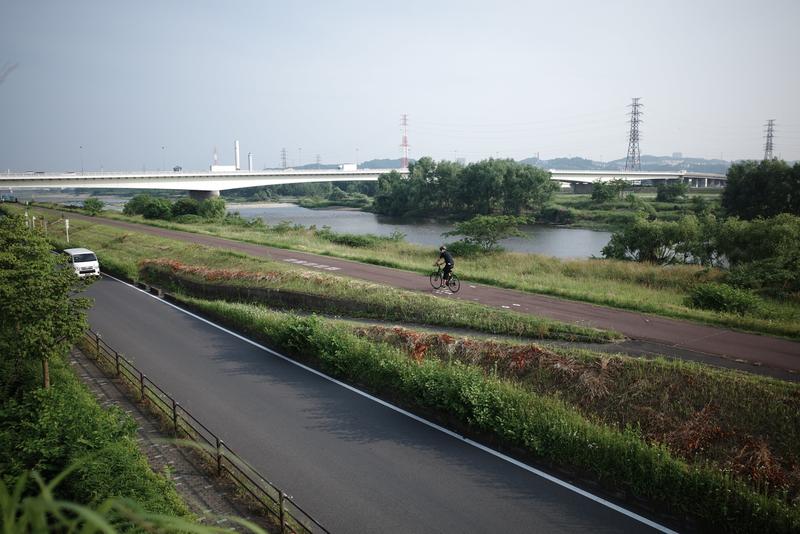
x=354 y=464
x=701 y=342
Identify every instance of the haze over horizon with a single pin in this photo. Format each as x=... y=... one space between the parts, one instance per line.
x=100 y=84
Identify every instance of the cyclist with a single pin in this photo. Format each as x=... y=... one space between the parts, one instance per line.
x=446 y=258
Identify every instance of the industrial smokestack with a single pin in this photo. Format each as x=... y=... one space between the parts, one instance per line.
x=250 y=161
x=236 y=151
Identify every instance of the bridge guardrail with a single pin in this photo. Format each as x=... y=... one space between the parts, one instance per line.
x=218 y=456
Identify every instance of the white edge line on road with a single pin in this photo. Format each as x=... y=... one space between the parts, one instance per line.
x=442 y=429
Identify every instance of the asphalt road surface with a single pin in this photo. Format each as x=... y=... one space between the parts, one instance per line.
x=674 y=337
x=354 y=464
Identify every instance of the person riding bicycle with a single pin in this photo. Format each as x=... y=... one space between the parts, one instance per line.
x=446 y=258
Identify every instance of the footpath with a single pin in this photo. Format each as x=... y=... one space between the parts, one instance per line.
x=209 y=498
x=672 y=337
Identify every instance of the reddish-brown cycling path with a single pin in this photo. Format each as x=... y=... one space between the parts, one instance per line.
x=674 y=335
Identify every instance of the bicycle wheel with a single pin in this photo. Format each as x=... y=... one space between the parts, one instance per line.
x=453 y=284
x=436 y=280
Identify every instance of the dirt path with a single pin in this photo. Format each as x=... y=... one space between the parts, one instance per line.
x=674 y=336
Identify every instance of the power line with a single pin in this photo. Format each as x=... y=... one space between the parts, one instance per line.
x=633 y=162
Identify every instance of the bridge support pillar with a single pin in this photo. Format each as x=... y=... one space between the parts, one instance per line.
x=203 y=195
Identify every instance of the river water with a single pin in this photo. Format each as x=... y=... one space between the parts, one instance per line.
x=538 y=239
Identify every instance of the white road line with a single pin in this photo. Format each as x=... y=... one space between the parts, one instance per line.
x=500 y=455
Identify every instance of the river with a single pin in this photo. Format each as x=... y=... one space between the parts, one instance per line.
x=538 y=239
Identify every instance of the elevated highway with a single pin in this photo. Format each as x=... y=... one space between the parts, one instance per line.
x=200 y=184
x=205 y=184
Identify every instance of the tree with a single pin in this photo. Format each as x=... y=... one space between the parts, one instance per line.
x=658 y=242
x=41 y=318
x=135 y=206
x=671 y=191
x=484 y=231
x=93 y=206
x=606 y=191
x=762 y=189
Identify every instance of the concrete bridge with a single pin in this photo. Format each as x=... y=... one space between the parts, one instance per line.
x=200 y=184
x=208 y=184
x=581 y=180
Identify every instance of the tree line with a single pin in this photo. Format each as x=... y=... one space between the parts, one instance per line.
x=445 y=188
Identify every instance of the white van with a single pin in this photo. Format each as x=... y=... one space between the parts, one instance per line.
x=84 y=261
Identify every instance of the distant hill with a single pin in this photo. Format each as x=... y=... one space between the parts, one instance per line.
x=649 y=163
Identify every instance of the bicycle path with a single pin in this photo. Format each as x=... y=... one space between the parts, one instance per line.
x=675 y=336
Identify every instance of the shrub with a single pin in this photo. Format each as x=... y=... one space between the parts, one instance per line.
x=349 y=240
x=722 y=297
x=157 y=208
x=188 y=219
x=185 y=206
x=671 y=191
x=93 y=206
x=212 y=208
x=557 y=215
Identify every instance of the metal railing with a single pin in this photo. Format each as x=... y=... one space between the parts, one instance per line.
x=217 y=456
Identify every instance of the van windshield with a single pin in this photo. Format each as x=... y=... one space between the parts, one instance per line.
x=80 y=258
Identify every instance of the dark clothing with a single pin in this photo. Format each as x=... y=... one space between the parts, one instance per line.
x=448 y=258
x=448 y=264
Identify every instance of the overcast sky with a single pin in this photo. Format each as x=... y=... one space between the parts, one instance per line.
x=477 y=79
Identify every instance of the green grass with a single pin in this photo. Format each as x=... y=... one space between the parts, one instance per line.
x=540 y=427
x=121 y=251
x=626 y=285
x=744 y=424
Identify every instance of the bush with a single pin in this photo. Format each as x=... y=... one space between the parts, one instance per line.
x=722 y=297
x=671 y=191
x=49 y=429
x=556 y=215
x=157 y=208
x=185 y=206
x=212 y=208
x=93 y=206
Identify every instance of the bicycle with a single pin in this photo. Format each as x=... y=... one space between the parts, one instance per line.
x=437 y=282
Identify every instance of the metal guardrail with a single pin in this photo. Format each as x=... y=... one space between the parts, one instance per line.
x=217 y=455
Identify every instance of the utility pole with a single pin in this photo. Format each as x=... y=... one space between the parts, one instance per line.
x=283 y=158
x=404 y=143
x=768 y=145
x=633 y=162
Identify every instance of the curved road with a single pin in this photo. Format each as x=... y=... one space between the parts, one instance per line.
x=354 y=464
x=658 y=334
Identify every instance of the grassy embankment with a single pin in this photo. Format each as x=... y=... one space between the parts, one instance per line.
x=627 y=285
x=64 y=431
x=121 y=251
x=580 y=211
x=665 y=433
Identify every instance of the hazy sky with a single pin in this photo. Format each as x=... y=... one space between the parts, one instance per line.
x=477 y=79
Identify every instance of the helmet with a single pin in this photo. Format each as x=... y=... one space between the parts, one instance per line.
x=442 y=248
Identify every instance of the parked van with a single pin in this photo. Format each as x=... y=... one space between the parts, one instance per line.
x=84 y=261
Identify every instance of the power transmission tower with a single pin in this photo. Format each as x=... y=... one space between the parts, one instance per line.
x=318 y=161
x=768 y=145
x=633 y=162
x=283 y=158
x=404 y=144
